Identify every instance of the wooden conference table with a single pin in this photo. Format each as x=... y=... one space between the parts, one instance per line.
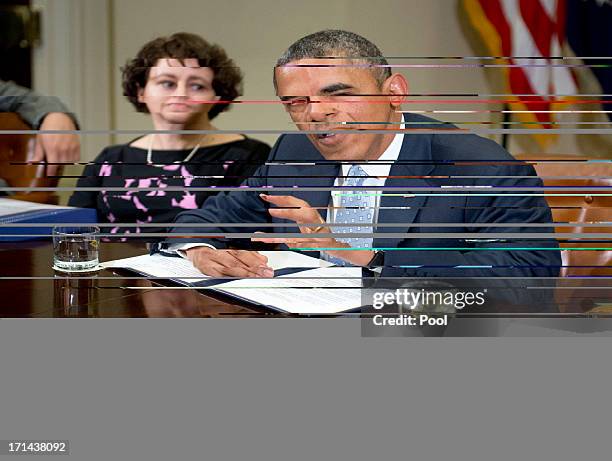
x=29 y=287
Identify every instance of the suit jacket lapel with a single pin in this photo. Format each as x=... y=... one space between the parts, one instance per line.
x=413 y=163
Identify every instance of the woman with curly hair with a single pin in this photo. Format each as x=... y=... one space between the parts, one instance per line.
x=183 y=83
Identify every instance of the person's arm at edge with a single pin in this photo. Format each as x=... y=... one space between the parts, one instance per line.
x=30 y=105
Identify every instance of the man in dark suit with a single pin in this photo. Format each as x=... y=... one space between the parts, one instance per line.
x=409 y=197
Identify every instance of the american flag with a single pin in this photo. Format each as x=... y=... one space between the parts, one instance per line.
x=526 y=35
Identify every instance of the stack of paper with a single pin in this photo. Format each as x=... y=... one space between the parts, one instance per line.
x=316 y=288
x=37 y=219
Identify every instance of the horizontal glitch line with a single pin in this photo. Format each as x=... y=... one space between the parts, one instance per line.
x=460 y=191
x=570 y=58
x=449 y=66
x=416 y=131
x=459 y=122
x=475 y=237
x=347 y=177
x=501 y=112
x=453 y=57
x=84 y=276
x=316 y=224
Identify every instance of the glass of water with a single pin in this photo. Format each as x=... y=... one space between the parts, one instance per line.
x=75 y=248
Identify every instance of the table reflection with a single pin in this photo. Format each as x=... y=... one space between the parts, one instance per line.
x=162 y=301
x=75 y=295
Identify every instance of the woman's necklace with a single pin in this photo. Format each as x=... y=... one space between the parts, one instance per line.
x=189 y=157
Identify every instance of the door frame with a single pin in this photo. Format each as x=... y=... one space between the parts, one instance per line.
x=73 y=62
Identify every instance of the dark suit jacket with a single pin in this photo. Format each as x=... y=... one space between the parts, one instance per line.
x=427 y=162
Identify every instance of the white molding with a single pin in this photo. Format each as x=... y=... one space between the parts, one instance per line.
x=73 y=63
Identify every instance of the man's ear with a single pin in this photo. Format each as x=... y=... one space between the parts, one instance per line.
x=396 y=87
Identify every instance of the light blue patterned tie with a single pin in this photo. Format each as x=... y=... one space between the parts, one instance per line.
x=356 y=209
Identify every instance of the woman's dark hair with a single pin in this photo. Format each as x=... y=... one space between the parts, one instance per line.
x=227 y=80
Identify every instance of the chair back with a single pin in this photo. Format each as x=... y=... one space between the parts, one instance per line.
x=588 y=211
x=15 y=150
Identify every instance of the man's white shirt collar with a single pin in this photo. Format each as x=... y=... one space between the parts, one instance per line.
x=382 y=166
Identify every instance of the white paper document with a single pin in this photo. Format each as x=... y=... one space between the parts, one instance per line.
x=321 y=290
x=9 y=206
x=285 y=259
x=316 y=291
x=181 y=269
x=160 y=266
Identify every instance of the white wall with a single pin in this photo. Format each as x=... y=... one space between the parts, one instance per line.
x=255 y=33
x=91 y=39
